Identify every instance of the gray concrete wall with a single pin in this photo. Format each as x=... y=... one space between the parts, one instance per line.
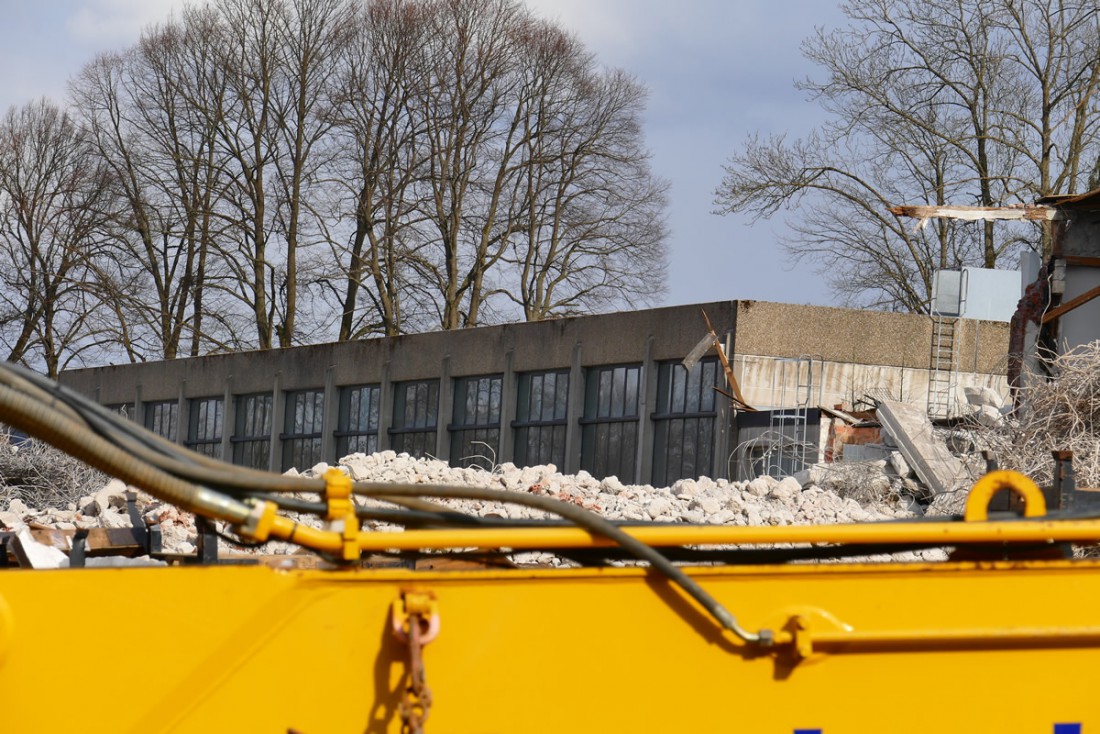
x=638 y=337
x=666 y=333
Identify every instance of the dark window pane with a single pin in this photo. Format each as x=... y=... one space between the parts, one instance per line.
x=475 y=431
x=540 y=416
x=415 y=412
x=357 y=422
x=204 y=426
x=252 y=438
x=302 y=427
x=683 y=441
x=161 y=417
x=609 y=436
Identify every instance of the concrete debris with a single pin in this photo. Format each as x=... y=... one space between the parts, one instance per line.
x=988 y=416
x=979 y=396
x=899 y=464
x=32 y=554
x=820 y=494
x=930 y=458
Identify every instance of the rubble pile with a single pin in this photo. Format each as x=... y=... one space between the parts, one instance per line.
x=815 y=496
x=908 y=469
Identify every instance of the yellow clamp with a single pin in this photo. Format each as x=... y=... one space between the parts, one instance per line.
x=341 y=511
x=420 y=603
x=260 y=521
x=977 y=502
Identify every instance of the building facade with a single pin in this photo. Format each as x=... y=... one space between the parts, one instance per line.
x=607 y=394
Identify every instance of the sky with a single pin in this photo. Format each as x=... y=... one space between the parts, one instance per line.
x=716 y=70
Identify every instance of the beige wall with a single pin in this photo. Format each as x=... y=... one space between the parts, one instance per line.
x=862 y=337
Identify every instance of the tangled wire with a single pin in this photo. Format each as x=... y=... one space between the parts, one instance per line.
x=1059 y=413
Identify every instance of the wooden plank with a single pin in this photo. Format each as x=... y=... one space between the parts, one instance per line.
x=1082 y=261
x=979 y=213
x=1071 y=304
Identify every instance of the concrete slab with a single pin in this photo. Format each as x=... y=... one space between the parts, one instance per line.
x=929 y=457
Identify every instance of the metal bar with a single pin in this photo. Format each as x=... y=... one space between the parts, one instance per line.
x=948 y=533
x=998 y=637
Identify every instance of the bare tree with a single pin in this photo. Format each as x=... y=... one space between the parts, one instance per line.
x=140 y=108
x=51 y=213
x=274 y=62
x=311 y=35
x=588 y=214
x=273 y=168
x=375 y=125
x=467 y=76
x=979 y=102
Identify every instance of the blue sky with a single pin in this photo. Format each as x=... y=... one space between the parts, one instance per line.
x=717 y=70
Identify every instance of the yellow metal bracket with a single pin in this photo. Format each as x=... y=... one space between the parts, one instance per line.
x=977 y=502
x=260 y=521
x=803 y=626
x=341 y=512
x=419 y=604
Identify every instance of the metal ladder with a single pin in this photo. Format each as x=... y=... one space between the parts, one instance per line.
x=787 y=423
x=943 y=366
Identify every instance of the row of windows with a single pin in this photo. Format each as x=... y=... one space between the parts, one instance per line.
x=684 y=421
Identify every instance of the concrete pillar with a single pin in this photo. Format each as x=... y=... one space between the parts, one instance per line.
x=229 y=419
x=647 y=398
x=331 y=417
x=385 y=409
x=139 y=407
x=723 y=424
x=573 y=414
x=445 y=410
x=278 y=410
x=507 y=411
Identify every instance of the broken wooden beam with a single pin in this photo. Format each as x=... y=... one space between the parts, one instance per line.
x=1034 y=213
x=1071 y=304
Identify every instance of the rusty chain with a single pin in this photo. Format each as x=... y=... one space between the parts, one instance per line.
x=418 y=696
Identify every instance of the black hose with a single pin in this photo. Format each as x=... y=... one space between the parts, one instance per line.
x=584 y=519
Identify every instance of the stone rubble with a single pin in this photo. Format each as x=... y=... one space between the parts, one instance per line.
x=823 y=494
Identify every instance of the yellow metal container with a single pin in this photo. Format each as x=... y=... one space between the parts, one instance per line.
x=950 y=647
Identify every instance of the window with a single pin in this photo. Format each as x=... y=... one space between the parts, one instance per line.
x=609 y=436
x=357 y=430
x=542 y=402
x=302 y=428
x=161 y=418
x=415 y=416
x=204 y=426
x=683 y=438
x=252 y=437
x=475 y=431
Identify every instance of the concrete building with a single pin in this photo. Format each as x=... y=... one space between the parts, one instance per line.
x=607 y=394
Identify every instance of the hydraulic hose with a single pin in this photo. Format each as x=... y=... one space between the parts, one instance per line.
x=45 y=422
x=166 y=455
x=587 y=520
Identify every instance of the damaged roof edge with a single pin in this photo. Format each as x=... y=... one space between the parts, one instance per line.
x=1034 y=213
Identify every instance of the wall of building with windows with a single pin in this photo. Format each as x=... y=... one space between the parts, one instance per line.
x=608 y=394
